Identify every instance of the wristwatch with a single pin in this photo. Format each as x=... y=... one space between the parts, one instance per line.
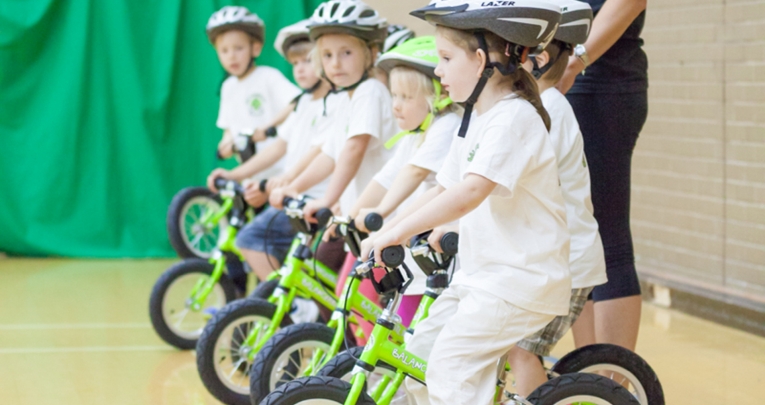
x=581 y=53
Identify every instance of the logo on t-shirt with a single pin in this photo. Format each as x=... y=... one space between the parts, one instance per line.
x=255 y=104
x=472 y=152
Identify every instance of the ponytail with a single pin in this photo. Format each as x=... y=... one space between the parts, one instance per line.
x=526 y=87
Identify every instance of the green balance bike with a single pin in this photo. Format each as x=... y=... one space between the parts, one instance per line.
x=185 y=295
x=236 y=333
x=197 y=217
x=300 y=350
x=390 y=363
x=615 y=362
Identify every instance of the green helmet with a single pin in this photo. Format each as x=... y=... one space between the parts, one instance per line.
x=417 y=53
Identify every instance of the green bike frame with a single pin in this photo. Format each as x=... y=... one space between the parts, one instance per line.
x=309 y=278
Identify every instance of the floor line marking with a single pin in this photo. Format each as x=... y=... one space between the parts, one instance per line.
x=92 y=349
x=38 y=326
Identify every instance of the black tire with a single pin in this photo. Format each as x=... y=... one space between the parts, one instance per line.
x=160 y=307
x=175 y=223
x=236 y=318
x=320 y=388
x=645 y=384
x=581 y=387
x=341 y=365
x=264 y=289
x=269 y=370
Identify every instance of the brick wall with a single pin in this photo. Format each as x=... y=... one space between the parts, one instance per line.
x=698 y=212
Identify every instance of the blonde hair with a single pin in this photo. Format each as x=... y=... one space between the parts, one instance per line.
x=299 y=49
x=521 y=82
x=420 y=85
x=369 y=51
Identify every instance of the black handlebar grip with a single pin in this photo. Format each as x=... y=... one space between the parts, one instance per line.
x=262 y=185
x=449 y=243
x=393 y=256
x=218 y=155
x=220 y=183
x=373 y=222
x=287 y=201
x=323 y=216
x=271 y=132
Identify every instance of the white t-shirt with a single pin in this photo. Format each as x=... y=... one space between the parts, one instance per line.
x=429 y=154
x=586 y=260
x=368 y=112
x=254 y=102
x=515 y=244
x=305 y=128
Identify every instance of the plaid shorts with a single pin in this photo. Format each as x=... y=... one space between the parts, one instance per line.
x=542 y=342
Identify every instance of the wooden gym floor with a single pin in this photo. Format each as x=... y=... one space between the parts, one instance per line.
x=78 y=332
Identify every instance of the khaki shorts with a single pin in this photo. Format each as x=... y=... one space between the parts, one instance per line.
x=542 y=342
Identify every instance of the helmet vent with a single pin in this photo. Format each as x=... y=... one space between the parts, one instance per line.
x=334 y=9
x=349 y=11
x=367 y=13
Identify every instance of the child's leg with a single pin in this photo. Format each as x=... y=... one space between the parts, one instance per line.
x=463 y=363
x=265 y=241
x=408 y=307
x=524 y=357
x=426 y=333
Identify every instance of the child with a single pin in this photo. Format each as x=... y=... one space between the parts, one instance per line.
x=501 y=181
x=586 y=259
x=253 y=97
x=264 y=242
x=348 y=35
x=426 y=115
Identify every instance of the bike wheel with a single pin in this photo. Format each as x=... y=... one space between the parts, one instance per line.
x=222 y=356
x=314 y=391
x=264 y=289
x=341 y=366
x=188 y=236
x=169 y=304
x=286 y=356
x=581 y=388
x=619 y=364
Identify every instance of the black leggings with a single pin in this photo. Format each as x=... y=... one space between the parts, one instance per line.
x=610 y=125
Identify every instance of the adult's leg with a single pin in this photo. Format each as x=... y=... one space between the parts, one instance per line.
x=610 y=125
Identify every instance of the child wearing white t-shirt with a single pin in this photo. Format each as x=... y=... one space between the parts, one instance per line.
x=360 y=108
x=500 y=180
x=426 y=115
x=586 y=259
x=254 y=99
x=265 y=241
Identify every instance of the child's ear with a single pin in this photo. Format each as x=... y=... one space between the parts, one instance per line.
x=543 y=59
x=483 y=60
x=257 y=48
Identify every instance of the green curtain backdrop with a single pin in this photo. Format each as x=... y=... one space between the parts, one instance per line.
x=107 y=109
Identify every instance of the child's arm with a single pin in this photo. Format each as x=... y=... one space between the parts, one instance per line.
x=256 y=164
x=407 y=180
x=345 y=169
x=368 y=199
x=293 y=172
x=454 y=203
x=226 y=145
x=260 y=134
x=319 y=169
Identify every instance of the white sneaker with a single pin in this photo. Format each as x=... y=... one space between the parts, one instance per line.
x=304 y=310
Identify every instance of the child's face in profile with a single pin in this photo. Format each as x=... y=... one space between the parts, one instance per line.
x=302 y=70
x=343 y=58
x=235 y=51
x=409 y=108
x=458 y=69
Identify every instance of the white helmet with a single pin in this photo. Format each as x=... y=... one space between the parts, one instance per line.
x=351 y=17
x=397 y=35
x=575 y=21
x=528 y=23
x=291 y=35
x=235 y=18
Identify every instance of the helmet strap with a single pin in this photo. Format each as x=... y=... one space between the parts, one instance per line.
x=335 y=89
x=537 y=72
x=304 y=92
x=438 y=105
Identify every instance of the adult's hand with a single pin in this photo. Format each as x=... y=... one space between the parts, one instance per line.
x=573 y=69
